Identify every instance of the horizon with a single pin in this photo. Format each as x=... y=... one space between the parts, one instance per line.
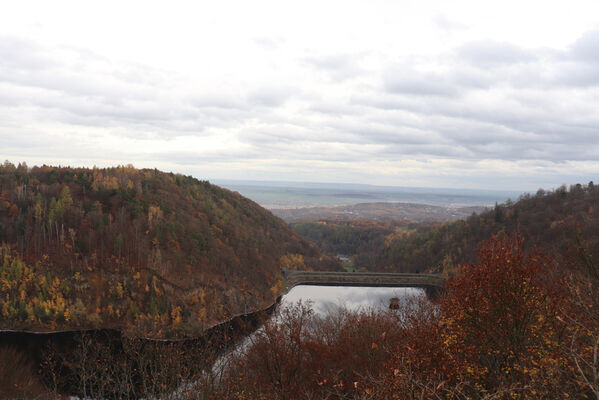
x=293 y=195
x=329 y=185
x=313 y=184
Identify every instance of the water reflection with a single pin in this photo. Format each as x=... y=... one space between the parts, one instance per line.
x=326 y=299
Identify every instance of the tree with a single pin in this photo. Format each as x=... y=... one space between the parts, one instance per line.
x=499 y=322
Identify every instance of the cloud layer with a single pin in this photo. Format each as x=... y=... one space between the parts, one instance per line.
x=475 y=113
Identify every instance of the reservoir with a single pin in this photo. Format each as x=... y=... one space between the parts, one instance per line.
x=324 y=299
x=327 y=300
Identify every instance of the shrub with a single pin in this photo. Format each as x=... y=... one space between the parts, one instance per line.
x=18 y=377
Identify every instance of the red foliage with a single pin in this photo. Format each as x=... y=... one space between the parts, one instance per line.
x=499 y=325
x=13 y=211
x=498 y=332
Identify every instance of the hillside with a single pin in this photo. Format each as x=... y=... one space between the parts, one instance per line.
x=362 y=241
x=553 y=220
x=152 y=252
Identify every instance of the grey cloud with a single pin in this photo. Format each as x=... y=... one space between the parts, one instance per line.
x=556 y=80
x=334 y=62
x=335 y=109
x=510 y=129
x=200 y=156
x=281 y=133
x=43 y=68
x=403 y=135
x=288 y=144
x=468 y=77
x=586 y=48
x=400 y=151
x=92 y=91
x=402 y=80
x=488 y=101
x=217 y=100
x=386 y=131
x=338 y=67
x=578 y=65
x=36 y=143
x=382 y=102
x=478 y=134
x=578 y=74
x=490 y=53
x=270 y=96
x=17 y=54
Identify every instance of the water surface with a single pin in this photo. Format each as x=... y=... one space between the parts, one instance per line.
x=329 y=298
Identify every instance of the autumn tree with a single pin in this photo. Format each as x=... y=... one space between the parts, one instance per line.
x=500 y=324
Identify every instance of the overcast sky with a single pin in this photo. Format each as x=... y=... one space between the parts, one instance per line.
x=468 y=94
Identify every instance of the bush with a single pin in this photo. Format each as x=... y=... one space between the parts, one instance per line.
x=18 y=378
x=500 y=329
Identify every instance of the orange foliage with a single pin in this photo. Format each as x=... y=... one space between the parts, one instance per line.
x=13 y=211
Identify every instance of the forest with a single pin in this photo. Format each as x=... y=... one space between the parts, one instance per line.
x=158 y=255
x=516 y=324
x=363 y=240
x=557 y=220
x=154 y=253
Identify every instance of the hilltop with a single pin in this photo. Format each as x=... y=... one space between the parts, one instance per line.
x=559 y=221
x=138 y=249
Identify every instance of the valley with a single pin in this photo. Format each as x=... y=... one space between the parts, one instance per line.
x=152 y=278
x=408 y=212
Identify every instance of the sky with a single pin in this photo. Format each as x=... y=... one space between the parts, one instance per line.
x=428 y=93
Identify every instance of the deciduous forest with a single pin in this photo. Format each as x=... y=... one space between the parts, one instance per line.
x=155 y=253
x=162 y=255
x=514 y=325
x=555 y=220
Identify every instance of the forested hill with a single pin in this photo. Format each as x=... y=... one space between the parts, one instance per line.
x=156 y=253
x=552 y=220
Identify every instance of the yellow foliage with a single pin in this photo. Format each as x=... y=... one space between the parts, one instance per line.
x=293 y=262
x=119 y=290
x=176 y=316
x=277 y=288
x=154 y=215
x=108 y=182
x=201 y=315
